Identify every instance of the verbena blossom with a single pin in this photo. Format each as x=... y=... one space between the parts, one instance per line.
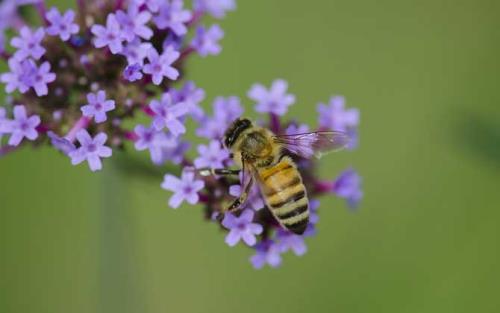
x=185 y=188
x=98 y=106
x=22 y=126
x=111 y=36
x=28 y=43
x=274 y=100
x=241 y=228
x=111 y=76
x=61 y=25
x=206 y=41
x=90 y=150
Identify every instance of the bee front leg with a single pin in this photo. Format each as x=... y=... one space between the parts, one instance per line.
x=218 y=171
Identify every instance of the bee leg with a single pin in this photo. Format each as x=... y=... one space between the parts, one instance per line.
x=241 y=199
x=218 y=171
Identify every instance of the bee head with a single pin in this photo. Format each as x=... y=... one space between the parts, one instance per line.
x=234 y=131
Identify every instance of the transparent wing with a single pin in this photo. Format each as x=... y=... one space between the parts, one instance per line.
x=314 y=144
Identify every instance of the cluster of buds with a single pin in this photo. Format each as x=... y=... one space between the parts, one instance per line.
x=79 y=79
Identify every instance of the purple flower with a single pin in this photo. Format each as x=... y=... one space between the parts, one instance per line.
x=173 y=16
x=133 y=72
x=152 y=5
x=348 y=186
x=177 y=153
x=313 y=218
x=15 y=79
x=267 y=252
x=91 y=149
x=29 y=44
x=173 y=40
x=216 y=8
x=226 y=110
x=98 y=106
x=22 y=126
x=206 y=41
x=294 y=129
x=212 y=156
x=191 y=96
x=4 y=123
x=111 y=35
x=335 y=117
x=241 y=228
x=61 y=25
x=39 y=78
x=275 y=100
x=185 y=189
x=60 y=143
x=134 y=23
x=136 y=51
x=290 y=241
x=167 y=114
x=153 y=140
x=161 y=65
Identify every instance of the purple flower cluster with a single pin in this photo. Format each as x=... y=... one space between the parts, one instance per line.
x=82 y=87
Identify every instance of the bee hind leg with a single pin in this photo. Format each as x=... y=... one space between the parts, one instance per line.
x=238 y=202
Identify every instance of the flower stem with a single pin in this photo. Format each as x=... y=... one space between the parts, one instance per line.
x=197 y=15
x=82 y=123
x=324 y=186
x=275 y=123
x=42 y=11
x=118 y=4
x=82 y=12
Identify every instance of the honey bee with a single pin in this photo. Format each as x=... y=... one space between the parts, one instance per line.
x=263 y=157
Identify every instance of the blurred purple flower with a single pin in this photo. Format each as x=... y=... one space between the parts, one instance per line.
x=241 y=228
x=29 y=44
x=152 y=5
x=192 y=97
x=133 y=72
x=134 y=22
x=173 y=40
x=15 y=79
x=167 y=114
x=161 y=65
x=148 y=138
x=176 y=154
x=216 y=8
x=91 y=149
x=275 y=100
x=206 y=41
x=295 y=128
x=335 y=117
x=61 y=25
x=267 y=252
x=40 y=77
x=185 y=189
x=3 y=123
x=136 y=51
x=289 y=241
x=348 y=186
x=61 y=144
x=173 y=16
x=225 y=111
x=97 y=106
x=22 y=126
x=212 y=155
x=110 y=36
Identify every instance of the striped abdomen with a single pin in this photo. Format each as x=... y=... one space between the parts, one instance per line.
x=285 y=195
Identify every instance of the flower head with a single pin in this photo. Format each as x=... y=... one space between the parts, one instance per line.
x=134 y=23
x=206 y=41
x=173 y=16
x=241 y=228
x=348 y=186
x=185 y=189
x=16 y=78
x=29 y=44
x=161 y=65
x=22 y=126
x=216 y=8
x=275 y=100
x=335 y=117
x=266 y=252
x=136 y=51
x=97 y=106
x=212 y=155
x=152 y=5
x=110 y=36
x=167 y=114
x=41 y=76
x=149 y=138
x=91 y=149
x=290 y=241
x=3 y=123
x=192 y=96
x=61 y=25
x=225 y=111
x=133 y=72
x=61 y=144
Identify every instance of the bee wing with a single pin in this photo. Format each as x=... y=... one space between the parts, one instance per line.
x=314 y=144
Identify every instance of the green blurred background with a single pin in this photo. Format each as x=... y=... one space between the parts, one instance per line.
x=425 y=75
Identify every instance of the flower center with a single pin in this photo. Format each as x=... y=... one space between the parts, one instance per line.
x=98 y=106
x=92 y=148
